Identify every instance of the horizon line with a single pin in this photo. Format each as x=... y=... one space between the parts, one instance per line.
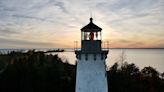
x=77 y=48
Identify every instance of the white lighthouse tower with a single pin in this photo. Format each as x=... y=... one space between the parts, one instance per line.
x=91 y=69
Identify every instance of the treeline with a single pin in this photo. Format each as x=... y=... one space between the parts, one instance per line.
x=38 y=72
x=128 y=78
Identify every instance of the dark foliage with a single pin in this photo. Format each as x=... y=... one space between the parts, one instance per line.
x=38 y=72
x=128 y=78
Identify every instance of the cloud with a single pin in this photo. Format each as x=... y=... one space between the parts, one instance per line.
x=61 y=6
x=7 y=31
x=44 y=20
x=14 y=43
x=28 y=17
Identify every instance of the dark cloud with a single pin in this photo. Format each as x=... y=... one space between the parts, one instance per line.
x=61 y=5
x=28 y=17
x=129 y=10
x=13 y=28
x=3 y=9
x=22 y=43
x=134 y=5
x=126 y=18
x=44 y=19
x=7 y=31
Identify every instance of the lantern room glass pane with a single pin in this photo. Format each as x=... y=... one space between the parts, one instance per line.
x=91 y=35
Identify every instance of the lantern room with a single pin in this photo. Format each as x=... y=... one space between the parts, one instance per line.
x=91 y=32
x=91 y=38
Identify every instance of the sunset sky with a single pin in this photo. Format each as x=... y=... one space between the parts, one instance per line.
x=57 y=23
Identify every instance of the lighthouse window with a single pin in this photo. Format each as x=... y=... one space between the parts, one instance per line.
x=85 y=36
x=91 y=37
x=97 y=35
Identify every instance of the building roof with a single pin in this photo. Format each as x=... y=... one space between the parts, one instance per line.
x=91 y=27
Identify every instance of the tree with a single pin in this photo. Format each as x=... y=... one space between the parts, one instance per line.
x=150 y=72
x=162 y=75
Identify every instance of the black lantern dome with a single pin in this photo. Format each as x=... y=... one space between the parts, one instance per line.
x=91 y=27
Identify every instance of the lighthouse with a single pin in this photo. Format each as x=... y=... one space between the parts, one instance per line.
x=91 y=68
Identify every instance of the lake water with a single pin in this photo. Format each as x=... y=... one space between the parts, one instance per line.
x=140 y=57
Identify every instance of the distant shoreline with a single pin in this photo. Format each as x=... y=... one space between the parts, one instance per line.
x=66 y=48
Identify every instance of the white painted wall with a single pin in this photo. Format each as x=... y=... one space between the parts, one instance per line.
x=91 y=74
